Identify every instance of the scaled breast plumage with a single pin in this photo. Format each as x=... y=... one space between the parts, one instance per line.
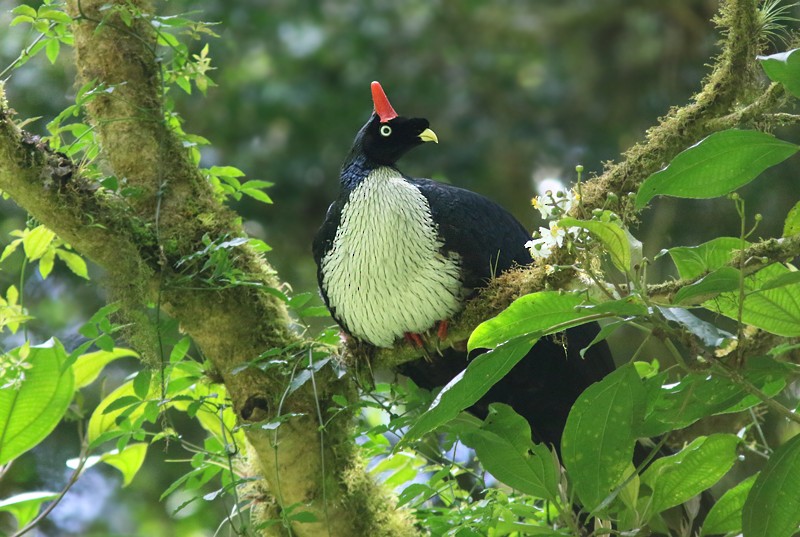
x=385 y=274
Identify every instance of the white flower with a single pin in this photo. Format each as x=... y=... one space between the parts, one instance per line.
x=554 y=205
x=540 y=205
x=554 y=235
x=546 y=239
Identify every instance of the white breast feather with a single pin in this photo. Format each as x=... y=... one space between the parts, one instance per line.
x=384 y=274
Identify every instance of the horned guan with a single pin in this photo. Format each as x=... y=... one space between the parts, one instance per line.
x=397 y=255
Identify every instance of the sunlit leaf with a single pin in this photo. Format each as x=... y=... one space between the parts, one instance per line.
x=26 y=506
x=774 y=309
x=128 y=461
x=717 y=165
x=74 y=262
x=30 y=413
x=37 y=241
x=88 y=366
x=532 y=314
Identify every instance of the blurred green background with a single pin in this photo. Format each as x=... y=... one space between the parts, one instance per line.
x=517 y=92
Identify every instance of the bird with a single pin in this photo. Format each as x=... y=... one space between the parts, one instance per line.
x=399 y=256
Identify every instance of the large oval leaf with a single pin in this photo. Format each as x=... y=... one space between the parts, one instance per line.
x=30 y=413
x=530 y=314
x=717 y=165
x=726 y=515
x=504 y=447
x=692 y=261
x=772 y=508
x=680 y=477
x=470 y=385
x=598 y=441
x=720 y=281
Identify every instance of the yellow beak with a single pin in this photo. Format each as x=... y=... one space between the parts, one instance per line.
x=428 y=136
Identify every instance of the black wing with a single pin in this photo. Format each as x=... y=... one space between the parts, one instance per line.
x=486 y=236
x=323 y=241
x=543 y=386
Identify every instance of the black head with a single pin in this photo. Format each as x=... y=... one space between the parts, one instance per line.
x=386 y=136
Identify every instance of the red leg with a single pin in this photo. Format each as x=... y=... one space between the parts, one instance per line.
x=442 y=330
x=414 y=339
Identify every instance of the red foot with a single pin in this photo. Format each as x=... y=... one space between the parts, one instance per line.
x=442 y=330
x=414 y=339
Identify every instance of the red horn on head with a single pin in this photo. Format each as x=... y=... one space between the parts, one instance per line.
x=382 y=107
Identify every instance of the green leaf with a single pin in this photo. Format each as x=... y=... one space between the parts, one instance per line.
x=24 y=507
x=25 y=10
x=676 y=405
x=21 y=19
x=54 y=15
x=717 y=165
x=128 y=461
x=726 y=515
x=599 y=437
x=504 y=447
x=529 y=316
x=680 y=477
x=141 y=383
x=180 y=349
x=52 y=49
x=611 y=235
x=102 y=421
x=783 y=67
x=692 y=261
x=10 y=249
x=46 y=263
x=226 y=171
x=257 y=195
x=29 y=414
x=469 y=386
x=775 y=309
x=37 y=241
x=720 y=281
x=74 y=262
x=790 y=227
x=787 y=278
x=772 y=508
x=88 y=366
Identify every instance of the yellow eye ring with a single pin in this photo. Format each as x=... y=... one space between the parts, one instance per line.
x=386 y=130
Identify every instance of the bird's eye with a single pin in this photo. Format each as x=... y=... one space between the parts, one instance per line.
x=386 y=130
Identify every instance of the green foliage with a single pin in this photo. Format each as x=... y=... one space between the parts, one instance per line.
x=33 y=403
x=600 y=435
x=465 y=389
x=717 y=165
x=772 y=508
